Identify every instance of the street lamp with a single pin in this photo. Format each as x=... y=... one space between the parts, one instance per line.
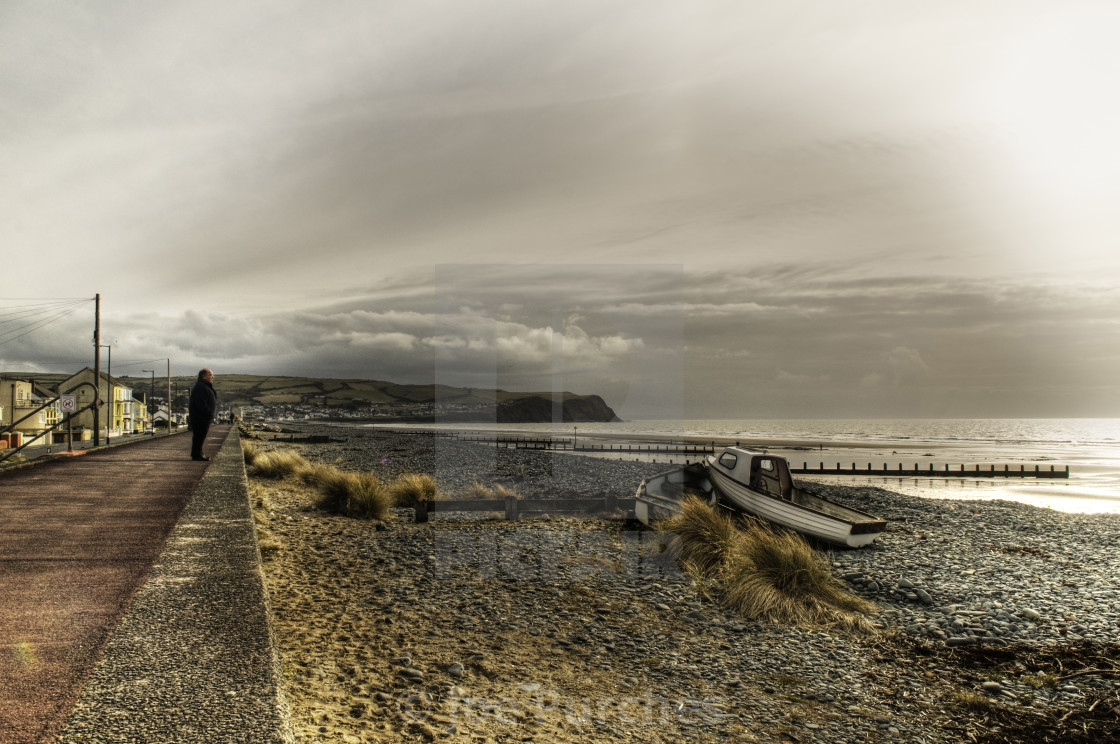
x=151 y=398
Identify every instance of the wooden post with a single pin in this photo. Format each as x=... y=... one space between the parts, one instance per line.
x=610 y=503
x=511 y=507
x=421 y=512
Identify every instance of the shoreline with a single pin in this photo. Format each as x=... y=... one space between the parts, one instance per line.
x=1093 y=485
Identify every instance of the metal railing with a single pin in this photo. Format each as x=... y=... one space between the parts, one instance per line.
x=11 y=427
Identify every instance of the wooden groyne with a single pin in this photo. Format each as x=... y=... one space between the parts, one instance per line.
x=569 y=444
x=699 y=449
x=938 y=471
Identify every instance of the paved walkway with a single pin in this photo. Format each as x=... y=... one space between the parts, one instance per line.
x=131 y=600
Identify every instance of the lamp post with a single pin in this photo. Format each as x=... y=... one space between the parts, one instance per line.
x=151 y=398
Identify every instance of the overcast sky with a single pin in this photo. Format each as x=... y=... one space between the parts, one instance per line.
x=703 y=209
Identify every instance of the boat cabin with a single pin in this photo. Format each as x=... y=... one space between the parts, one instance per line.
x=759 y=471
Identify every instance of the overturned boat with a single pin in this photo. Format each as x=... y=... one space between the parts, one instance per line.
x=760 y=484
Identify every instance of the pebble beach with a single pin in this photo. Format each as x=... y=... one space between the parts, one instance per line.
x=997 y=621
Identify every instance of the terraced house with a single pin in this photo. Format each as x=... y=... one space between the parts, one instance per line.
x=19 y=419
x=120 y=413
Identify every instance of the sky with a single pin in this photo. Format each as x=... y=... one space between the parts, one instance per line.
x=703 y=209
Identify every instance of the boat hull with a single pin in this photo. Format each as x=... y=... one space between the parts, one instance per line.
x=659 y=496
x=851 y=533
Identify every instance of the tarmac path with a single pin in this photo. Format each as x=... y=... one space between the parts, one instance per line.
x=78 y=535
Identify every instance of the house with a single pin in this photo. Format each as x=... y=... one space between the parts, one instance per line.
x=160 y=417
x=141 y=421
x=28 y=408
x=117 y=416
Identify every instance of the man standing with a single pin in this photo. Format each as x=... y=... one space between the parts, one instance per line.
x=203 y=406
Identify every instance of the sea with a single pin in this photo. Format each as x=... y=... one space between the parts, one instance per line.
x=1089 y=447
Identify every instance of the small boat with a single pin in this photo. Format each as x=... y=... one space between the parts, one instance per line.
x=761 y=484
x=660 y=496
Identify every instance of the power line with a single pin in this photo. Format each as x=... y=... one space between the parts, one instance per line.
x=35 y=325
x=26 y=311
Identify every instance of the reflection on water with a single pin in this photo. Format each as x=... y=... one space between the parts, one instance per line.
x=1066 y=496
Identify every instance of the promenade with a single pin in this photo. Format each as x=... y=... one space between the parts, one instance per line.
x=131 y=600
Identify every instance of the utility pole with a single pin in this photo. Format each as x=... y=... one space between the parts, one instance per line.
x=110 y=410
x=97 y=369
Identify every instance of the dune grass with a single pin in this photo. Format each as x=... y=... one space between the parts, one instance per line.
x=360 y=495
x=414 y=488
x=763 y=573
x=497 y=491
x=277 y=464
x=250 y=452
x=354 y=494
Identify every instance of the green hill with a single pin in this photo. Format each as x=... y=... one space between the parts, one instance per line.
x=377 y=397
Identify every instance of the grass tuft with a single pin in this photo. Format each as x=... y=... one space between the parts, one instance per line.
x=359 y=495
x=414 y=488
x=763 y=573
x=478 y=491
x=277 y=464
x=972 y=701
x=250 y=452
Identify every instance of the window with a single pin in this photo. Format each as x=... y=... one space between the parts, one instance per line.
x=728 y=460
x=766 y=464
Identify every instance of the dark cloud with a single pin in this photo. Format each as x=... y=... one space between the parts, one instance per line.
x=724 y=208
x=656 y=348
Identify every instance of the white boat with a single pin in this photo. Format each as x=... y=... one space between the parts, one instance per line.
x=659 y=496
x=761 y=484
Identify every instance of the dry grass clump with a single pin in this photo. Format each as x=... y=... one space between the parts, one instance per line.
x=277 y=464
x=763 y=573
x=353 y=494
x=414 y=488
x=250 y=452
x=478 y=491
x=501 y=492
x=359 y=495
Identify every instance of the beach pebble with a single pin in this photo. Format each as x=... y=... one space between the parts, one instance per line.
x=959 y=593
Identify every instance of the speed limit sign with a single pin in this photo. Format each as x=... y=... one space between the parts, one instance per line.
x=68 y=403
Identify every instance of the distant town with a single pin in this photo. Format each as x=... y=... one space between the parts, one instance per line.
x=47 y=409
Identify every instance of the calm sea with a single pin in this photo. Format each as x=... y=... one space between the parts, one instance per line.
x=1090 y=447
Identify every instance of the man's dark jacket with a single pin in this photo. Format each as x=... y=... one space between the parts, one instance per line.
x=204 y=403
